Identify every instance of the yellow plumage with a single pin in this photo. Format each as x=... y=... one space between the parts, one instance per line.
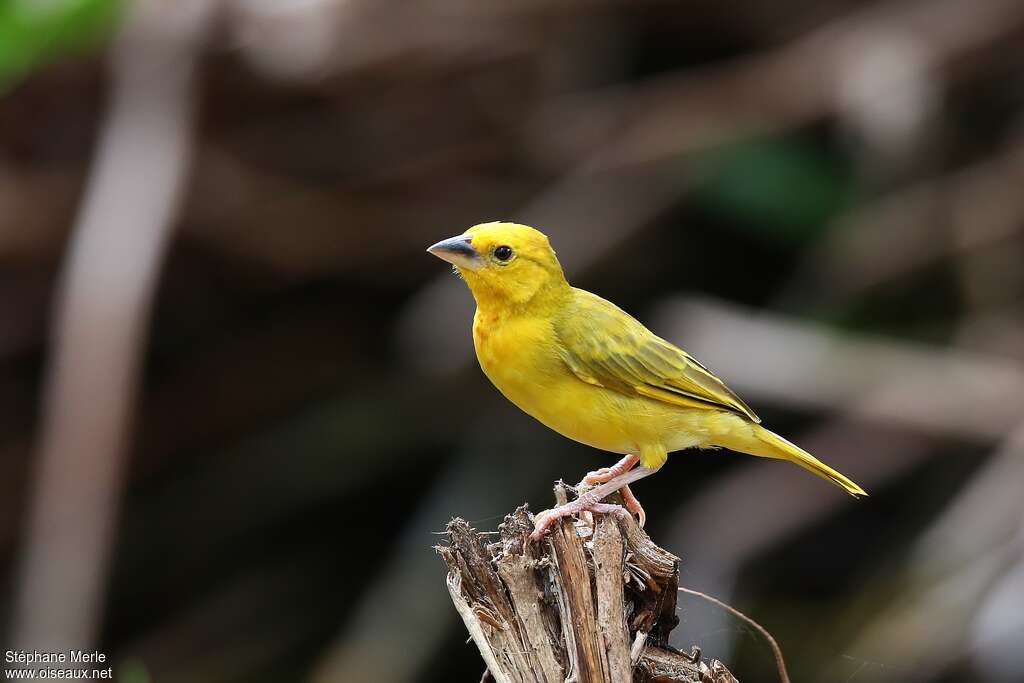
x=590 y=371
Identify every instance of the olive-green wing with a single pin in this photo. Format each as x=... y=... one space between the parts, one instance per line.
x=605 y=346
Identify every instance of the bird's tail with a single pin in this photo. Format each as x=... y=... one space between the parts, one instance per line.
x=768 y=444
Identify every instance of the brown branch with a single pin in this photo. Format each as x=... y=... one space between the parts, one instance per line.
x=591 y=603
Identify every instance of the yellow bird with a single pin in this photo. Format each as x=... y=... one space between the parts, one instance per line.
x=588 y=370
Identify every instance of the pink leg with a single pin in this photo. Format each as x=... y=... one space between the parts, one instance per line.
x=608 y=473
x=633 y=505
x=588 y=500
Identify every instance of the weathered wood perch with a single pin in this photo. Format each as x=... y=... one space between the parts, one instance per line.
x=590 y=604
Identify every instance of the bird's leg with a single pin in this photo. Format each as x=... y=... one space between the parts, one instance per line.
x=630 y=502
x=588 y=500
x=607 y=474
x=633 y=505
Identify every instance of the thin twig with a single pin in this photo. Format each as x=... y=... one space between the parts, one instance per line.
x=780 y=663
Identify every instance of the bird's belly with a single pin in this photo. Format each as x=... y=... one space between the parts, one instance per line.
x=578 y=411
x=611 y=421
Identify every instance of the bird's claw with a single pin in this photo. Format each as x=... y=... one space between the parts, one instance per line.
x=585 y=501
x=546 y=519
x=633 y=505
x=629 y=501
x=542 y=523
x=598 y=476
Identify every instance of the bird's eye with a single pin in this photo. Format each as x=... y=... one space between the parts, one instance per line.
x=503 y=253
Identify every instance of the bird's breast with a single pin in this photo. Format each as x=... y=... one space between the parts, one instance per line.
x=521 y=358
x=519 y=355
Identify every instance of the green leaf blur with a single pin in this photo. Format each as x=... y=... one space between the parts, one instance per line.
x=34 y=33
x=782 y=188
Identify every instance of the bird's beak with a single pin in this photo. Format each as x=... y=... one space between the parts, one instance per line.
x=458 y=251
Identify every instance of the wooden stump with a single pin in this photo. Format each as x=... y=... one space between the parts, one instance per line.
x=591 y=604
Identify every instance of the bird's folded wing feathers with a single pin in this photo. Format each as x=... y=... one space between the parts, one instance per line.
x=605 y=346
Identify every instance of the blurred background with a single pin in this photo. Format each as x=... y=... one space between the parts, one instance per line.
x=239 y=400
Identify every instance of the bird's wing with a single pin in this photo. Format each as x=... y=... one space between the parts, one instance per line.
x=605 y=346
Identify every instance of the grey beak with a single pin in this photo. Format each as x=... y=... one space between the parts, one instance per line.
x=458 y=251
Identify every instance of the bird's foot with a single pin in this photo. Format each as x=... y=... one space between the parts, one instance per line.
x=585 y=503
x=629 y=502
x=589 y=499
x=606 y=474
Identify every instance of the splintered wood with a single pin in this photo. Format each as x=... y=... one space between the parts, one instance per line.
x=590 y=603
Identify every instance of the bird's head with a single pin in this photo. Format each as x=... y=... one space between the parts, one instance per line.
x=503 y=263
